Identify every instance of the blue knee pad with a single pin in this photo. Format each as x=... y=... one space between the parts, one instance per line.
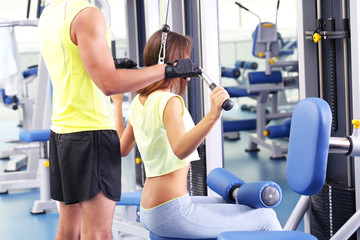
x=233 y=189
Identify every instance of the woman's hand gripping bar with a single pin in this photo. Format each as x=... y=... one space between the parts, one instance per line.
x=228 y=104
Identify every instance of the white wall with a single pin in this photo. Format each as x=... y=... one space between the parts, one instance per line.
x=234 y=24
x=238 y=23
x=27 y=36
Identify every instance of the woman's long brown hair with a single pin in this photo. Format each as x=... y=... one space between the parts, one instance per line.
x=177 y=47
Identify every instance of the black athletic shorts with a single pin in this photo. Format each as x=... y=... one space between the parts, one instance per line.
x=84 y=163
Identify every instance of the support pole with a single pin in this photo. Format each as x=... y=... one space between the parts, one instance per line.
x=350 y=160
x=320 y=26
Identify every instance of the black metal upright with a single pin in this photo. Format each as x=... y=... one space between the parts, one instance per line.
x=335 y=204
x=197 y=175
x=140 y=14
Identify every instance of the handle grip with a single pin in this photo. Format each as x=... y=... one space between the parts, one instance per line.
x=227 y=104
x=242 y=6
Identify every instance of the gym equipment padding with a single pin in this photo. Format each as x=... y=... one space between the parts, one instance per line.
x=246 y=65
x=279 y=131
x=223 y=183
x=153 y=236
x=130 y=198
x=230 y=72
x=255 y=194
x=239 y=125
x=309 y=146
x=259 y=194
x=262 y=78
x=268 y=235
x=35 y=135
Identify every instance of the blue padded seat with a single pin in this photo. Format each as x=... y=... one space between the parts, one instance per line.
x=35 y=135
x=30 y=71
x=236 y=91
x=268 y=235
x=239 y=125
x=246 y=65
x=288 y=48
x=279 y=131
x=130 y=198
x=286 y=52
x=8 y=99
x=307 y=160
x=262 y=78
x=156 y=237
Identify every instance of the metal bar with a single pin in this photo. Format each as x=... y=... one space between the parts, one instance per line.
x=28 y=9
x=320 y=58
x=350 y=162
x=339 y=145
x=206 y=78
x=297 y=214
x=38 y=11
x=348 y=228
x=25 y=23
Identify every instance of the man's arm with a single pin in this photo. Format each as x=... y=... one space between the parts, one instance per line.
x=88 y=32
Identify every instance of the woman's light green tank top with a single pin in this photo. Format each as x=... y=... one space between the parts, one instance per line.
x=150 y=134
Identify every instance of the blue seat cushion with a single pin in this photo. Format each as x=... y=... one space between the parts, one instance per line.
x=156 y=237
x=239 y=125
x=286 y=52
x=30 y=71
x=308 y=146
x=130 y=198
x=237 y=91
x=8 y=99
x=35 y=135
x=262 y=78
x=265 y=235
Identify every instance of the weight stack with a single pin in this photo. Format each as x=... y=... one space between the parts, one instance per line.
x=196 y=183
x=139 y=169
x=330 y=209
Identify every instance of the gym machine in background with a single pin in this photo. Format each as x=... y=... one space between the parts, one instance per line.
x=27 y=154
x=265 y=86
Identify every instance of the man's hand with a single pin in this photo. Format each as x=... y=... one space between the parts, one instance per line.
x=182 y=68
x=124 y=63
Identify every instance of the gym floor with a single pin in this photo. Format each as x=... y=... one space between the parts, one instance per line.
x=16 y=222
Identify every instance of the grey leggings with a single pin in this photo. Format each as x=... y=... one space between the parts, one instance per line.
x=206 y=217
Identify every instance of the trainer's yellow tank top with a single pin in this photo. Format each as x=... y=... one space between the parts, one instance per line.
x=78 y=104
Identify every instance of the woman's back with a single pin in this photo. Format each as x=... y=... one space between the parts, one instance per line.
x=159 y=190
x=166 y=174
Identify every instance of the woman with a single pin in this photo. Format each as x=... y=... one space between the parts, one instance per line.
x=167 y=140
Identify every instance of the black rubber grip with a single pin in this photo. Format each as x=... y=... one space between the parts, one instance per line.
x=165 y=28
x=242 y=6
x=228 y=104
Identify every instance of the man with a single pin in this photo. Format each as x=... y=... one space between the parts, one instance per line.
x=85 y=159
